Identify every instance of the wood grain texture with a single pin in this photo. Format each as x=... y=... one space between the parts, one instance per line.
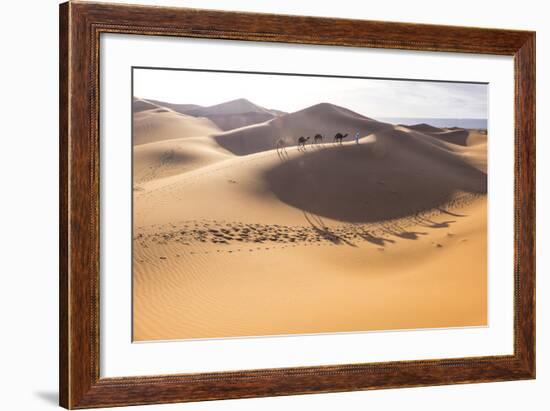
x=80 y=27
x=524 y=258
x=63 y=204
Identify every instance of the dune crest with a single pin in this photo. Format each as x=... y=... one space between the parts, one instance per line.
x=226 y=116
x=324 y=118
x=453 y=135
x=425 y=128
x=139 y=105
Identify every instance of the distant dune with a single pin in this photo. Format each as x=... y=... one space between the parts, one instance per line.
x=447 y=123
x=238 y=106
x=180 y=108
x=425 y=128
x=453 y=135
x=325 y=119
x=228 y=115
x=139 y=105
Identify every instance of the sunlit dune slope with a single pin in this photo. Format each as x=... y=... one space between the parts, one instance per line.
x=325 y=119
x=169 y=157
x=164 y=124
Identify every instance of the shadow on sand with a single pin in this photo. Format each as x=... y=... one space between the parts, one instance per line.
x=325 y=232
x=358 y=184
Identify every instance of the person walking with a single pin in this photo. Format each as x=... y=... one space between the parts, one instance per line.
x=357 y=138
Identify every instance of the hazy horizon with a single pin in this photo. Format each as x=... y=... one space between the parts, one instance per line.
x=378 y=98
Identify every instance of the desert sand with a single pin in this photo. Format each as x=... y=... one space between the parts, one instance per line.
x=158 y=124
x=227 y=116
x=237 y=236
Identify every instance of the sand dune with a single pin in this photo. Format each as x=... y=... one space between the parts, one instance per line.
x=458 y=137
x=392 y=176
x=238 y=106
x=476 y=155
x=164 y=124
x=453 y=135
x=234 y=114
x=180 y=108
x=258 y=262
x=234 y=237
x=431 y=276
x=228 y=115
x=476 y=137
x=326 y=119
x=139 y=105
x=425 y=128
x=170 y=157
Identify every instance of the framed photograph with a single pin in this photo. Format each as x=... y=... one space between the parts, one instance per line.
x=258 y=205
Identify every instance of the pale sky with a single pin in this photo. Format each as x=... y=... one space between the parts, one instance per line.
x=369 y=97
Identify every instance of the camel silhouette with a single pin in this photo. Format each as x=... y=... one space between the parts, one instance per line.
x=302 y=143
x=339 y=137
x=281 y=148
x=318 y=138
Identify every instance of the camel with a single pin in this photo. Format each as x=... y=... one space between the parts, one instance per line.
x=339 y=137
x=281 y=148
x=318 y=138
x=302 y=142
x=281 y=144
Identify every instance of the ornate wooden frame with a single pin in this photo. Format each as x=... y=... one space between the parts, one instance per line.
x=80 y=27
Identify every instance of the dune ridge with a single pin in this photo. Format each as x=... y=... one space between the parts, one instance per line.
x=324 y=118
x=227 y=115
x=453 y=135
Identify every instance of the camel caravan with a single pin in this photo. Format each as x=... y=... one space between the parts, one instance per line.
x=317 y=139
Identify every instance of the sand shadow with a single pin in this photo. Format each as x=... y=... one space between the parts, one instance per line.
x=424 y=221
x=282 y=153
x=374 y=239
x=397 y=230
x=443 y=211
x=324 y=231
x=341 y=183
